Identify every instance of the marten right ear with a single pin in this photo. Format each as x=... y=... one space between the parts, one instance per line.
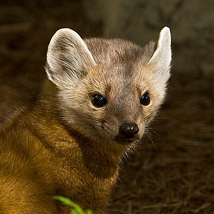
x=68 y=59
x=161 y=60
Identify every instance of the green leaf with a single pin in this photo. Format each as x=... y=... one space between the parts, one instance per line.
x=77 y=209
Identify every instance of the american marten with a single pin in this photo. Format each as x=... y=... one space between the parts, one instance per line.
x=97 y=102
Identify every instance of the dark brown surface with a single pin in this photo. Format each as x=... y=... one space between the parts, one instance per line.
x=172 y=171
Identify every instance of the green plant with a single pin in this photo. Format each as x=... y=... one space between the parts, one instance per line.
x=76 y=209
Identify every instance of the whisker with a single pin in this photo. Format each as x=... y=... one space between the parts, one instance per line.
x=153 y=143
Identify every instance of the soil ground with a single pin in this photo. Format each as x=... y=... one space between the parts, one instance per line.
x=172 y=171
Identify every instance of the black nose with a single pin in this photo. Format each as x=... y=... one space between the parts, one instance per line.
x=128 y=130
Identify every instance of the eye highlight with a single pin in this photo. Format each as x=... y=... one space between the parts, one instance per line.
x=145 y=99
x=98 y=100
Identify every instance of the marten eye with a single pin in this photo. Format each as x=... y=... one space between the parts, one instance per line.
x=145 y=99
x=98 y=100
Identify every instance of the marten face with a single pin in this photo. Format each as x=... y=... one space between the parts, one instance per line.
x=112 y=103
x=109 y=90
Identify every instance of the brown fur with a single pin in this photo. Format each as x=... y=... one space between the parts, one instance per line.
x=62 y=145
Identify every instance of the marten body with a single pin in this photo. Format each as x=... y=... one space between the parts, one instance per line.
x=98 y=101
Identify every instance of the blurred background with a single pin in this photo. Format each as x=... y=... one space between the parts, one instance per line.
x=173 y=170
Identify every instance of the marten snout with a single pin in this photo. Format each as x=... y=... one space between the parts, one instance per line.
x=128 y=130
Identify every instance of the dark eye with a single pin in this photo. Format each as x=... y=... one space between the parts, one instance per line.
x=145 y=100
x=98 y=100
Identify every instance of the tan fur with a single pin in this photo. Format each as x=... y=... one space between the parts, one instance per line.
x=62 y=144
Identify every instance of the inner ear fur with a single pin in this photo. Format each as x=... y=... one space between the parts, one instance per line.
x=160 y=61
x=68 y=58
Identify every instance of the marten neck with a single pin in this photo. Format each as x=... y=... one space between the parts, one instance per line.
x=101 y=158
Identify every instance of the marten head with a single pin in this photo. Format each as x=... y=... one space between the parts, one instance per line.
x=108 y=90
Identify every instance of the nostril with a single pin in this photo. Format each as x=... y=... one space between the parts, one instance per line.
x=129 y=130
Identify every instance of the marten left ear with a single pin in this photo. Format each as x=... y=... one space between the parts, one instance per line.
x=160 y=61
x=68 y=59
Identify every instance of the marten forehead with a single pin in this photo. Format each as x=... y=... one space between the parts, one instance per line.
x=119 y=59
x=106 y=52
x=117 y=78
x=113 y=51
x=119 y=63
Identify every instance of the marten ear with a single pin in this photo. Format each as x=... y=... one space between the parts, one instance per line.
x=160 y=61
x=68 y=58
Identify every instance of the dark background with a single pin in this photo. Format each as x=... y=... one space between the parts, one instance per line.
x=173 y=170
